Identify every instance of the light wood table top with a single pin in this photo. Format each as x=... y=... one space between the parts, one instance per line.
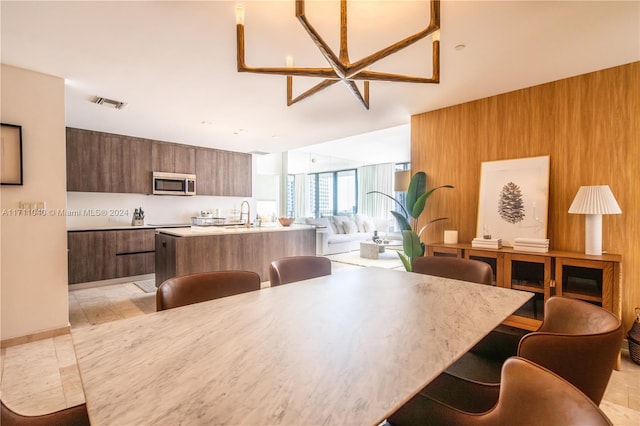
x=349 y=348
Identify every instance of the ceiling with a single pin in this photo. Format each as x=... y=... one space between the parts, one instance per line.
x=174 y=63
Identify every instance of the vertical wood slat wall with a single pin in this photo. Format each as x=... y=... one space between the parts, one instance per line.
x=589 y=125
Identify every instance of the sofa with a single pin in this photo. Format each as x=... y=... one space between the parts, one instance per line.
x=340 y=234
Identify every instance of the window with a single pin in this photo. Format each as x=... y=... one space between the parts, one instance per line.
x=333 y=193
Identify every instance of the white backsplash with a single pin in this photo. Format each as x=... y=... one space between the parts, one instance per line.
x=86 y=209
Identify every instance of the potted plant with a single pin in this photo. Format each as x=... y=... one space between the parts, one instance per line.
x=417 y=196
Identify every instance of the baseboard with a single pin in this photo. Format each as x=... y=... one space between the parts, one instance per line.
x=21 y=340
x=112 y=281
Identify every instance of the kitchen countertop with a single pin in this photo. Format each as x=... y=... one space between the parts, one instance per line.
x=196 y=231
x=117 y=227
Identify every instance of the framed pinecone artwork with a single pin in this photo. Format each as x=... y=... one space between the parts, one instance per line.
x=514 y=199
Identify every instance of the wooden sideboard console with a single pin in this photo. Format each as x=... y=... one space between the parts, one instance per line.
x=595 y=279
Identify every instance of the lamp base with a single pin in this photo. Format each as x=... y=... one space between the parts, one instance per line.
x=593 y=234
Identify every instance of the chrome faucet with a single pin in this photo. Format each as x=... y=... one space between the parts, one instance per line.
x=242 y=212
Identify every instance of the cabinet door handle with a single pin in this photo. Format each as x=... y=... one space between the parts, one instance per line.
x=552 y=283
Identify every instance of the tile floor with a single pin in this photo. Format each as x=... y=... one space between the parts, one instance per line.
x=42 y=376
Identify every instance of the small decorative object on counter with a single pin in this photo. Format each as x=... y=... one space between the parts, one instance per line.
x=633 y=338
x=138 y=217
x=286 y=221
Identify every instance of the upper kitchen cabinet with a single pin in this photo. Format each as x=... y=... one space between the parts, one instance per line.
x=234 y=172
x=88 y=161
x=105 y=162
x=130 y=165
x=206 y=166
x=223 y=173
x=173 y=158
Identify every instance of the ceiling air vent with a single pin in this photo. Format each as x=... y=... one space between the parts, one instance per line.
x=109 y=102
x=258 y=152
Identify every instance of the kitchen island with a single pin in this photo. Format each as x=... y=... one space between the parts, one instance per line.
x=185 y=251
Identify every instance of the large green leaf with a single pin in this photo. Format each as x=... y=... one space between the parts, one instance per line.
x=429 y=223
x=418 y=205
x=412 y=245
x=417 y=188
x=406 y=262
x=403 y=223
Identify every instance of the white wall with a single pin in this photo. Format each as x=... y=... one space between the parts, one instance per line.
x=33 y=249
x=158 y=209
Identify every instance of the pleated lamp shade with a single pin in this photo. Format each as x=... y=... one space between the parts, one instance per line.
x=595 y=200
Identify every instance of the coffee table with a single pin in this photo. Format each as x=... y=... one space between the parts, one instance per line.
x=371 y=250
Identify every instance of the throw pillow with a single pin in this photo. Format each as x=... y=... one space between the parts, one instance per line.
x=339 y=221
x=350 y=227
x=369 y=226
x=360 y=219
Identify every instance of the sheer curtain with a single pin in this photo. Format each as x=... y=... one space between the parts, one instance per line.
x=300 y=184
x=378 y=177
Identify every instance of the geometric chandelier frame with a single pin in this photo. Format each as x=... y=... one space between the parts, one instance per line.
x=341 y=68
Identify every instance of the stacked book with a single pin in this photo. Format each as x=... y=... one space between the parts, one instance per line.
x=538 y=245
x=493 y=243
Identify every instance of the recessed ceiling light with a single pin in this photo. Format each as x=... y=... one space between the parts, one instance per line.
x=237 y=132
x=275 y=137
x=460 y=46
x=205 y=123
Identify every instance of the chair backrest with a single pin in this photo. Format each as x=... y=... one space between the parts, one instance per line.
x=298 y=268
x=533 y=395
x=74 y=416
x=188 y=289
x=578 y=341
x=454 y=267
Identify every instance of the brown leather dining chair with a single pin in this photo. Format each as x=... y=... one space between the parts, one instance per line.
x=195 y=288
x=298 y=268
x=530 y=395
x=454 y=267
x=577 y=340
x=73 y=416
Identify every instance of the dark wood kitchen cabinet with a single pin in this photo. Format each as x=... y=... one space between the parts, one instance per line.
x=206 y=172
x=130 y=165
x=234 y=173
x=173 y=158
x=92 y=256
x=103 y=255
x=105 y=162
x=88 y=161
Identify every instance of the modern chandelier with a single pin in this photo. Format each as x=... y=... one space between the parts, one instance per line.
x=341 y=68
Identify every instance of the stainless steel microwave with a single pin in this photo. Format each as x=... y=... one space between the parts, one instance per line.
x=174 y=183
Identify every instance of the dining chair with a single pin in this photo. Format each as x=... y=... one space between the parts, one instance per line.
x=195 y=288
x=530 y=395
x=577 y=340
x=298 y=268
x=73 y=416
x=455 y=268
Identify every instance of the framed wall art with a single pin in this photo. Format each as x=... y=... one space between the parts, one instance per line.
x=514 y=199
x=11 y=155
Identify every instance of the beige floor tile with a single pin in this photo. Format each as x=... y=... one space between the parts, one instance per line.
x=619 y=415
x=72 y=385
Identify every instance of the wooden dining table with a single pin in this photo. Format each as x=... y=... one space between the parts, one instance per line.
x=344 y=349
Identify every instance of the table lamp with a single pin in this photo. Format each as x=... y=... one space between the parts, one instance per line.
x=594 y=201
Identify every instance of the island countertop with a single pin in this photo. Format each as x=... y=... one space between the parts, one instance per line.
x=198 y=231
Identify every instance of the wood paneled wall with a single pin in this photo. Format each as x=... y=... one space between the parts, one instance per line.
x=589 y=125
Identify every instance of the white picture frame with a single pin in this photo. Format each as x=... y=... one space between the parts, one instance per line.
x=514 y=199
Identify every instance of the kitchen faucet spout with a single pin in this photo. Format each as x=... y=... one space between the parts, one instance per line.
x=248 y=212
